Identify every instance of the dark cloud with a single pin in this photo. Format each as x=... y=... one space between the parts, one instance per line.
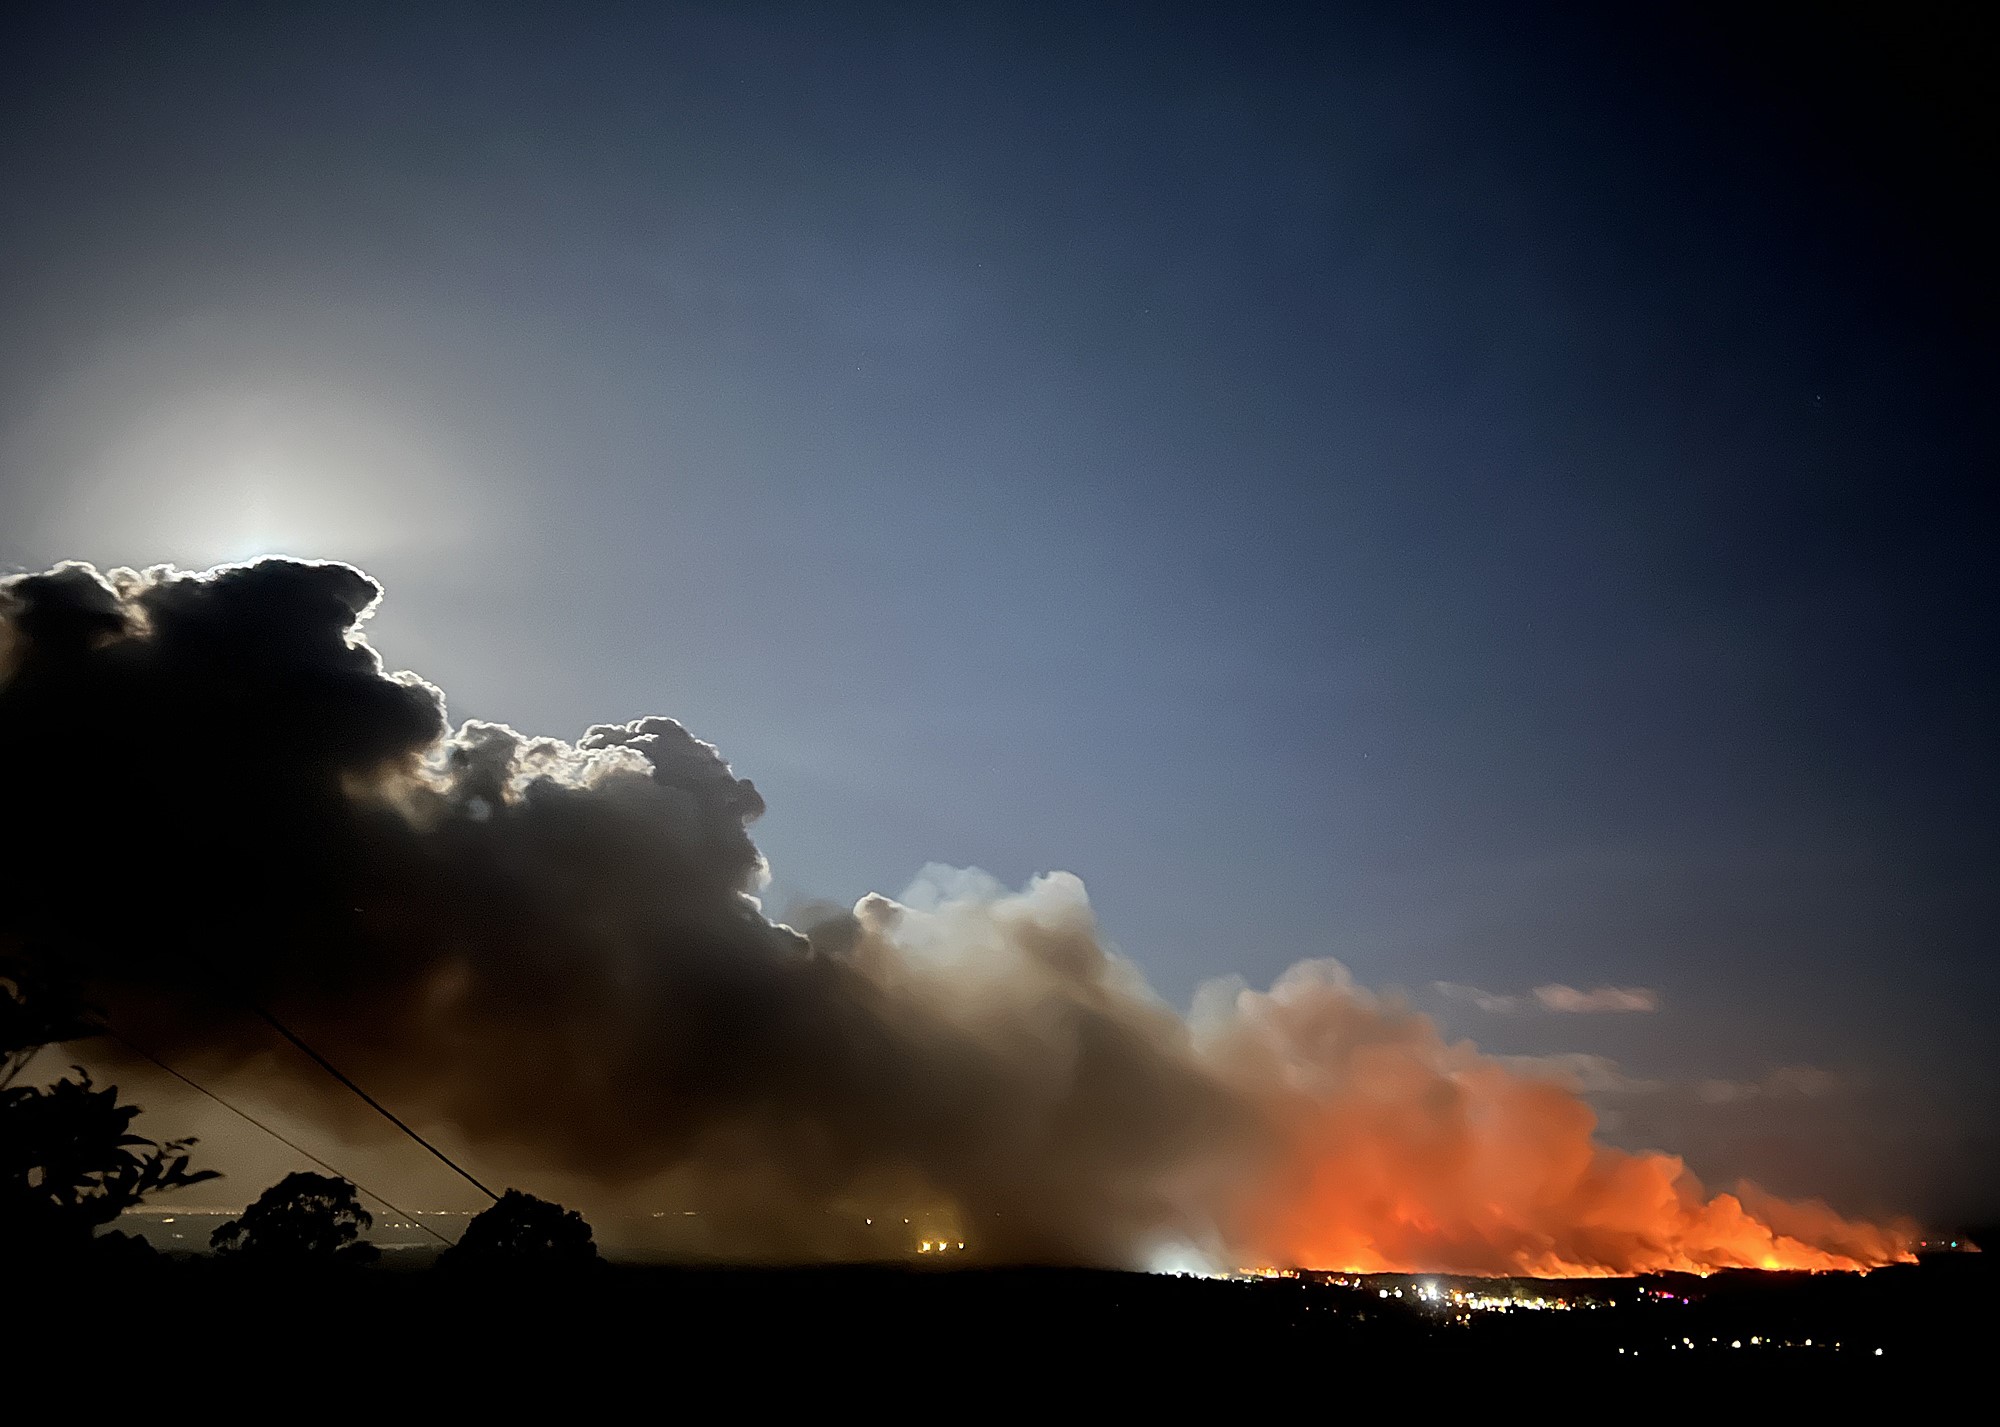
x=219 y=799
x=222 y=799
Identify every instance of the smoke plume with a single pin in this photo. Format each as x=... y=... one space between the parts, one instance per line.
x=221 y=800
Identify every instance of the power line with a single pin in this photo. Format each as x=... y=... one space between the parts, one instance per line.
x=292 y=1144
x=383 y=1110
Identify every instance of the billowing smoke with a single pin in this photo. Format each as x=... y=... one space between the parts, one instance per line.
x=219 y=800
x=1404 y=1152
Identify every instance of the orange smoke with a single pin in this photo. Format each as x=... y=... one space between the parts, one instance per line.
x=1399 y=1152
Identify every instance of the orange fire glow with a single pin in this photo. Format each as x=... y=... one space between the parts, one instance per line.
x=1400 y=1152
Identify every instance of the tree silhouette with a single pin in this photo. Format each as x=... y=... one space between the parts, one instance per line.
x=69 y=1163
x=303 y=1218
x=521 y=1230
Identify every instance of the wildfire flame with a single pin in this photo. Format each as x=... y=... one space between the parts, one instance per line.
x=1402 y=1153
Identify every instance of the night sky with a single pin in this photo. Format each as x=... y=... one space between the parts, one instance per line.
x=1499 y=497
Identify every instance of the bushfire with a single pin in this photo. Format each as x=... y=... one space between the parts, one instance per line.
x=552 y=952
x=1404 y=1153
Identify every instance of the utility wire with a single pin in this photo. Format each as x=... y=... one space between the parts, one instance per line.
x=383 y=1110
x=292 y=1144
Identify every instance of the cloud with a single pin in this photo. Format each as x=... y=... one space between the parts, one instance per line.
x=1787 y=1082
x=1489 y=1001
x=1555 y=998
x=219 y=800
x=1583 y=1074
x=1600 y=1000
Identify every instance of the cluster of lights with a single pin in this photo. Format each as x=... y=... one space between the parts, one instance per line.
x=1458 y=1305
x=939 y=1246
x=1474 y=1301
x=1689 y=1345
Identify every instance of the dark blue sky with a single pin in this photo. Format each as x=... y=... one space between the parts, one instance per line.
x=1498 y=499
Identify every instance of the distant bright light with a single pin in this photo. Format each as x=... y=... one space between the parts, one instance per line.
x=1182 y=1258
x=256 y=466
